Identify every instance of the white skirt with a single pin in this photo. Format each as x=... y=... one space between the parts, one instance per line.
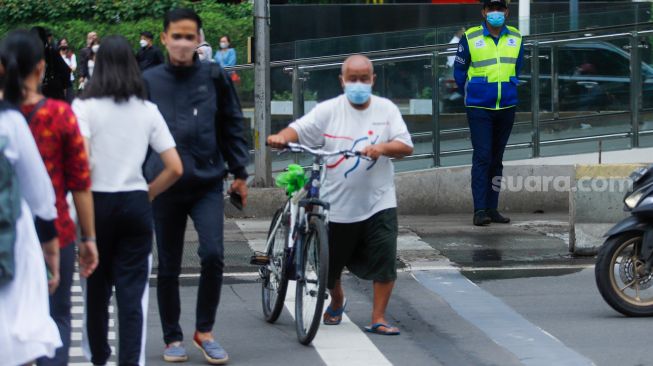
x=27 y=331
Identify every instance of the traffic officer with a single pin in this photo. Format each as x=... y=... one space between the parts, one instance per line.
x=487 y=64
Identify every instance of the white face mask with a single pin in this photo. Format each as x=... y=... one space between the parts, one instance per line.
x=143 y=43
x=95 y=48
x=224 y=45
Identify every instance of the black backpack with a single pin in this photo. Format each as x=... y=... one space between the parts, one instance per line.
x=10 y=201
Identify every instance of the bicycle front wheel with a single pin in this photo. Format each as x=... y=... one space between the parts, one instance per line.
x=275 y=279
x=311 y=286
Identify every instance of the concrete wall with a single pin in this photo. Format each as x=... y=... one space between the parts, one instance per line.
x=441 y=190
x=596 y=204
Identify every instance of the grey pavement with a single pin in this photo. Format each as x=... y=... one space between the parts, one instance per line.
x=501 y=295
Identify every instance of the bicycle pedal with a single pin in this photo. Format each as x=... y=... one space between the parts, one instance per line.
x=259 y=260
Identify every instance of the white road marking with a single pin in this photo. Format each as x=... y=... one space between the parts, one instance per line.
x=77 y=351
x=77 y=336
x=344 y=344
x=507 y=328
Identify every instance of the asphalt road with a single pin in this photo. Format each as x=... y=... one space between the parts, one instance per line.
x=531 y=304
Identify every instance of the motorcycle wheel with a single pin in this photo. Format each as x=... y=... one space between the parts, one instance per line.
x=621 y=276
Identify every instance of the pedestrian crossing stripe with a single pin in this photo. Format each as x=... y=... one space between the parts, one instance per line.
x=76 y=352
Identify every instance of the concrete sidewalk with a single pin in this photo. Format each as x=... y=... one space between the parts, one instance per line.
x=528 y=239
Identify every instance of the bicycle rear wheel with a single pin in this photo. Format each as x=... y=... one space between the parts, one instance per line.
x=275 y=279
x=311 y=286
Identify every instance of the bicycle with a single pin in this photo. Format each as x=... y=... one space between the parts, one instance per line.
x=300 y=254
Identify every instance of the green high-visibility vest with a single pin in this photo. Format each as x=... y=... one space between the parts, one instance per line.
x=493 y=67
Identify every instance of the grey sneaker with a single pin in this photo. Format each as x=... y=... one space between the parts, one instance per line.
x=175 y=352
x=213 y=351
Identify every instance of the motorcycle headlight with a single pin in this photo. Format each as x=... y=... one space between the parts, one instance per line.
x=632 y=200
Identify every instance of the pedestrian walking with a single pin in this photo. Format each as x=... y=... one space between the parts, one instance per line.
x=149 y=55
x=487 y=65
x=90 y=64
x=57 y=74
x=119 y=126
x=204 y=50
x=70 y=59
x=454 y=40
x=61 y=146
x=84 y=55
x=28 y=215
x=201 y=107
x=363 y=216
x=226 y=55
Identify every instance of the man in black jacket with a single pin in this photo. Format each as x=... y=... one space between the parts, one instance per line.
x=202 y=110
x=149 y=55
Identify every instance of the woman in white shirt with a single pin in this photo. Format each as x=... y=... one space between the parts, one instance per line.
x=27 y=331
x=119 y=126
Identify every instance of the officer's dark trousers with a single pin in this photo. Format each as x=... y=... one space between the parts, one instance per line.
x=490 y=130
x=171 y=210
x=123 y=223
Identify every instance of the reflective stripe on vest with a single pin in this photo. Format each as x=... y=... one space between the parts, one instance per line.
x=495 y=63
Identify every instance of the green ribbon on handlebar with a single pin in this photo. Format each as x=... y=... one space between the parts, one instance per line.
x=293 y=180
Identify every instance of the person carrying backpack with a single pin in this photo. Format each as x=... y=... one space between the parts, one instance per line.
x=27 y=332
x=61 y=145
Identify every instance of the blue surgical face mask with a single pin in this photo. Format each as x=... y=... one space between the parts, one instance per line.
x=358 y=93
x=496 y=18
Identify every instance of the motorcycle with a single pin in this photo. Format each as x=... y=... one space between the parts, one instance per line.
x=624 y=266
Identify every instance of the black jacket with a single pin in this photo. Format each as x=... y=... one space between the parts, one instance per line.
x=149 y=57
x=84 y=54
x=57 y=75
x=202 y=110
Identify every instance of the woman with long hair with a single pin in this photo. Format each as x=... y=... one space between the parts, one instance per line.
x=119 y=125
x=27 y=332
x=61 y=145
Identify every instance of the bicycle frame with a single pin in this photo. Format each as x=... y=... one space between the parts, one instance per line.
x=307 y=197
x=306 y=203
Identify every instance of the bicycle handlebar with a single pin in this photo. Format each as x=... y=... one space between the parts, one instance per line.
x=295 y=147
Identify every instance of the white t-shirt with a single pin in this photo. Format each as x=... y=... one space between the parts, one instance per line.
x=119 y=135
x=355 y=188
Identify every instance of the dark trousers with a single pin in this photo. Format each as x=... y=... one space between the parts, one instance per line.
x=490 y=130
x=123 y=222
x=205 y=207
x=60 y=305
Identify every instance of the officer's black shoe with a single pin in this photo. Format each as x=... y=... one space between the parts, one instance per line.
x=481 y=218
x=495 y=216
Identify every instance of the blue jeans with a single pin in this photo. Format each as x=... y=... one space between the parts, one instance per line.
x=60 y=305
x=490 y=131
x=171 y=211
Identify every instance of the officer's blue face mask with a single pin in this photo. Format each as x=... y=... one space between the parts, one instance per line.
x=358 y=93
x=496 y=18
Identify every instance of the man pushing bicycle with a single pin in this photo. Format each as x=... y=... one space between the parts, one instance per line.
x=363 y=216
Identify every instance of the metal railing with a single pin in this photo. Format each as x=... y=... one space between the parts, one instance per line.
x=298 y=69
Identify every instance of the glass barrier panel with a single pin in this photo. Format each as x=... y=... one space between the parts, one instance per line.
x=646 y=127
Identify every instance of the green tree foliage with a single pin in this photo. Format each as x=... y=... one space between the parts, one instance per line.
x=73 y=19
